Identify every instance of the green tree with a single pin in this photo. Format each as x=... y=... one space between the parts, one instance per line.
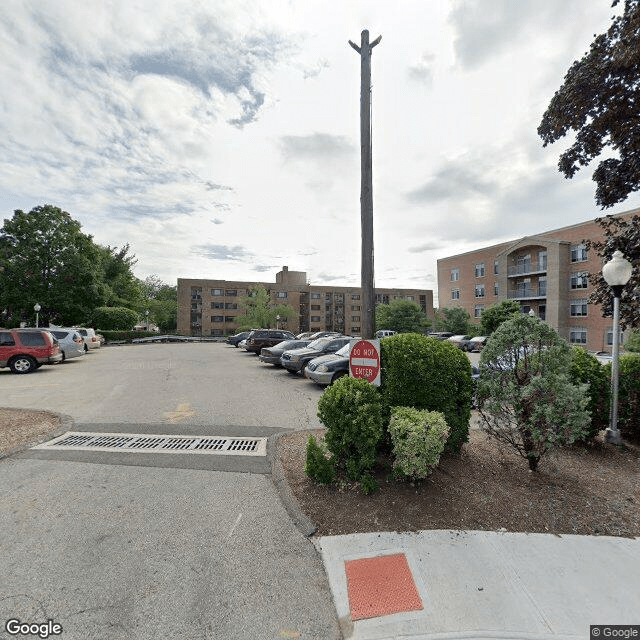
x=114 y=318
x=525 y=396
x=496 y=314
x=260 y=313
x=403 y=316
x=161 y=301
x=45 y=258
x=598 y=100
x=454 y=319
x=633 y=343
x=121 y=288
x=622 y=235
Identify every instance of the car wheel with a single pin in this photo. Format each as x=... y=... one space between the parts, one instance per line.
x=338 y=375
x=86 y=348
x=64 y=357
x=293 y=373
x=22 y=364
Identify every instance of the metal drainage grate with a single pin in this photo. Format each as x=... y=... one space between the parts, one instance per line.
x=141 y=443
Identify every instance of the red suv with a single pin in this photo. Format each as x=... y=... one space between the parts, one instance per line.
x=25 y=350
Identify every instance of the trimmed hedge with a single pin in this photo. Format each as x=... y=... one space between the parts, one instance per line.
x=629 y=396
x=429 y=374
x=418 y=439
x=585 y=368
x=352 y=412
x=114 y=318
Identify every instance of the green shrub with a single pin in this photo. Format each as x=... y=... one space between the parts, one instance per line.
x=352 y=412
x=629 y=397
x=633 y=343
x=418 y=439
x=425 y=373
x=525 y=396
x=586 y=369
x=318 y=467
x=114 y=318
x=368 y=484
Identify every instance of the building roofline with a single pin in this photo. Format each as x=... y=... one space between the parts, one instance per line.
x=541 y=234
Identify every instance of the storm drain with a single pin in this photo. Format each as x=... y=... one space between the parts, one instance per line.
x=142 y=443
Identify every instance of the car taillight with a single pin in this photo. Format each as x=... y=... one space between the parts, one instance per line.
x=94 y=339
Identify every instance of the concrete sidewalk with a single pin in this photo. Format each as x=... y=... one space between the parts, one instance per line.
x=487 y=585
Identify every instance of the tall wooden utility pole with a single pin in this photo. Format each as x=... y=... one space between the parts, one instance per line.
x=366 y=188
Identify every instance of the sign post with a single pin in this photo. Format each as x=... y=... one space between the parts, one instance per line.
x=364 y=360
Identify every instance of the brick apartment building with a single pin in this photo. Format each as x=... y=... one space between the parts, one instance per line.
x=213 y=307
x=546 y=272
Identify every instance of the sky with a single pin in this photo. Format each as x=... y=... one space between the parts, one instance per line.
x=221 y=139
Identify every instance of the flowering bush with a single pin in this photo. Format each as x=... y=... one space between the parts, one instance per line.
x=418 y=439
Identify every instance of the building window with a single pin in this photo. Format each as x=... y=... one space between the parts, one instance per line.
x=315 y=307
x=315 y=296
x=229 y=318
x=217 y=319
x=479 y=291
x=496 y=289
x=455 y=275
x=355 y=296
x=315 y=318
x=355 y=307
x=216 y=292
x=480 y=270
x=232 y=293
x=397 y=297
x=610 y=336
x=355 y=329
x=577 y=335
x=477 y=310
x=578 y=253
x=217 y=305
x=411 y=298
x=216 y=332
x=496 y=267
x=578 y=308
x=580 y=280
x=355 y=318
x=455 y=294
x=231 y=305
x=282 y=294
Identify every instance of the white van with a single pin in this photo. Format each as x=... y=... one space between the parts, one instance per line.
x=384 y=333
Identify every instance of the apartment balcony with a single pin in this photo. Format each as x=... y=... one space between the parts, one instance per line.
x=526 y=268
x=527 y=293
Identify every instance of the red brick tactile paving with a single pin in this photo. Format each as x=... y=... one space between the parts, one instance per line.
x=380 y=586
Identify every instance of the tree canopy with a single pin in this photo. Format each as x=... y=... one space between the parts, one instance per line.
x=260 y=314
x=493 y=316
x=599 y=101
x=46 y=259
x=454 y=319
x=622 y=235
x=403 y=316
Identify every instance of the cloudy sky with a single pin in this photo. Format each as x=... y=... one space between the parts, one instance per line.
x=220 y=138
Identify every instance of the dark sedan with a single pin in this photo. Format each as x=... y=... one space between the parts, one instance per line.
x=239 y=337
x=296 y=360
x=271 y=355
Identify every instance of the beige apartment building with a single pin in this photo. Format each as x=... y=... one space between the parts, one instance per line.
x=546 y=273
x=214 y=308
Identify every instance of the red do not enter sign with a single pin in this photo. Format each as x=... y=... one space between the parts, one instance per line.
x=364 y=360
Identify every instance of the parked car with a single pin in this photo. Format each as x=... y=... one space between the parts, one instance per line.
x=90 y=338
x=101 y=338
x=385 y=333
x=25 y=350
x=474 y=344
x=70 y=341
x=440 y=335
x=305 y=335
x=239 y=337
x=271 y=355
x=457 y=340
x=296 y=360
x=261 y=338
x=328 y=368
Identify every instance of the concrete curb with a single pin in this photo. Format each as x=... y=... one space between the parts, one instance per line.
x=304 y=525
x=67 y=423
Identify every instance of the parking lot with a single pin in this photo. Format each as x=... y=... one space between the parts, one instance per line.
x=208 y=384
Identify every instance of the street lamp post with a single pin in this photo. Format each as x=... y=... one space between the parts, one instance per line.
x=36 y=308
x=616 y=273
x=277 y=321
x=146 y=313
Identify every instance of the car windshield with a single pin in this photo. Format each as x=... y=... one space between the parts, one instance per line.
x=319 y=343
x=344 y=351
